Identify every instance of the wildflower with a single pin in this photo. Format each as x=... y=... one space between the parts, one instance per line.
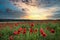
x=44 y=34
x=32 y=25
x=11 y=38
x=16 y=24
x=41 y=31
x=19 y=32
x=16 y=32
x=52 y=31
x=24 y=31
x=20 y=29
x=31 y=30
x=36 y=30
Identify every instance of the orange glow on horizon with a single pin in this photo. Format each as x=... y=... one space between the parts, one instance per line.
x=36 y=13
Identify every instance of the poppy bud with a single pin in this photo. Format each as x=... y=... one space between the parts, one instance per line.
x=36 y=30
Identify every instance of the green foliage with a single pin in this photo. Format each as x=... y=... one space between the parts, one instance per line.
x=6 y=32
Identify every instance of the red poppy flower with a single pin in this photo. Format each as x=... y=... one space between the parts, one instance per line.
x=16 y=32
x=31 y=30
x=11 y=38
x=20 y=29
x=24 y=31
x=36 y=30
x=52 y=31
x=44 y=34
x=41 y=30
x=32 y=25
x=16 y=24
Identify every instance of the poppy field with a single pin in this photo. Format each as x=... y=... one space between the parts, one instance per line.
x=31 y=31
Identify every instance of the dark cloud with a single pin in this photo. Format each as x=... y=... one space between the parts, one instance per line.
x=57 y=14
x=8 y=10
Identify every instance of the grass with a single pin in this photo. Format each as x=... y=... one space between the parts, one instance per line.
x=8 y=34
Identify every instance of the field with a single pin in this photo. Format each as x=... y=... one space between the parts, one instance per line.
x=30 y=30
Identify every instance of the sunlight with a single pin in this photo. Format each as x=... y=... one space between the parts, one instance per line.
x=34 y=12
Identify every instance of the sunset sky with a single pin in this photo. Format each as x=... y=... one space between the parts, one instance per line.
x=40 y=10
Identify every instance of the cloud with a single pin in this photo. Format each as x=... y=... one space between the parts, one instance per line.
x=41 y=10
x=37 y=13
x=14 y=11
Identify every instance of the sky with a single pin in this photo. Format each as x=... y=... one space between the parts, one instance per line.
x=33 y=10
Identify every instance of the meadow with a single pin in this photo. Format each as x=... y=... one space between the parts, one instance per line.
x=30 y=31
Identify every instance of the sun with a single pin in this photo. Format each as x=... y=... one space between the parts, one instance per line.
x=35 y=12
